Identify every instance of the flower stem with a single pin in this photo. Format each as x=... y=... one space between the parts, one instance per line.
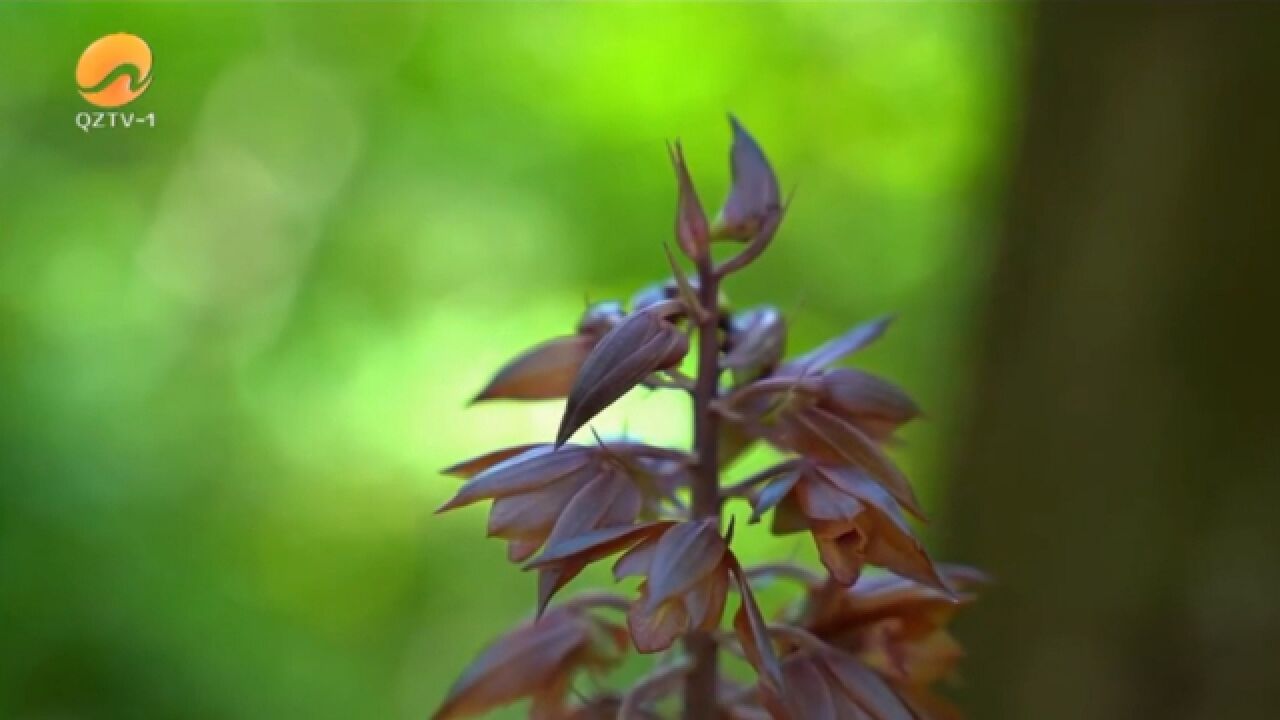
x=700 y=684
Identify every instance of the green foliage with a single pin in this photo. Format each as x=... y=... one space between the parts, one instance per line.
x=233 y=347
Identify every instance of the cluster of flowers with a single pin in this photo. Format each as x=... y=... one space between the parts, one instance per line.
x=854 y=646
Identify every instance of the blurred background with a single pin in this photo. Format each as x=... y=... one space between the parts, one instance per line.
x=236 y=348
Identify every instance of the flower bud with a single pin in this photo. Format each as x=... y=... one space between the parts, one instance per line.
x=691 y=222
x=754 y=197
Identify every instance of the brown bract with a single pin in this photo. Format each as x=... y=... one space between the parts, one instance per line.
x=898 y=628
x=536 y=661
x=566 y=557
x=853 y=519
x=831 y=685
x=543 y=495
x=547 y=370
x=838 y=416
x=642 y=344
x=686 y=571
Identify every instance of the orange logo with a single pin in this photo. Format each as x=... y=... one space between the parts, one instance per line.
x=114 y=70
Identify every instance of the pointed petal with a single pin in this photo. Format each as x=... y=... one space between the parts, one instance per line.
x=520 y=550
x=788 y=518
x=588 y=508
x=639 y=346
x=754 y=194
x=515 y=666
x=876 y=406
x=532 y=514
x=734 y=441
x=524 y=472
x=809 y=689
x=893 y=593
x=773 y=493
x=890 y=542
x=836 y=349
x=549 y=701
x=824 y=436
x=473 y=466
x=705 y=602
x=757 y=338
x=843 y=556
x=753 y=634
x=599 y=317
x=553 y=578
x=866 y=688
x=963 y=577
x=823 y=501
x=655 y=628
x=685 y=555
x=901 y=554
x=597 y=543
x=635 y=562
x=543 y=372
x=586 y=512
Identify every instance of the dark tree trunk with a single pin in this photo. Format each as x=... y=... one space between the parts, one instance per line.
x=1121 y=471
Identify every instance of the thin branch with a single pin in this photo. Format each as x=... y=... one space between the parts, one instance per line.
x=700 y=696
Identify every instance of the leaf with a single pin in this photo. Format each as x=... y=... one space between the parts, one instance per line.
x=685 y=554
x=524 y=472
x=753 y=196
x=691 y=222
x=480 y=463
x=543 y=372
x=837 y=348
x=640 y=345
